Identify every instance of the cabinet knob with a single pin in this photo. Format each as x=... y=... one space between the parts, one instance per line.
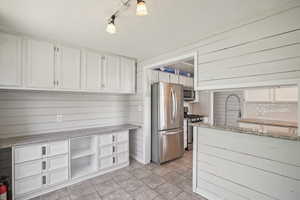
x=44 y=180
x=43 y=150
x=44 y=165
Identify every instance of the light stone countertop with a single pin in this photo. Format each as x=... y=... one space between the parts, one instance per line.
x=270 y=122
x=247 y=131
x=54 y=136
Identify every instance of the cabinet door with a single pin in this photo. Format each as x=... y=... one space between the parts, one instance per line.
x=67 y=68
x=174 y=78
x=57 y=162
x=40 y=64
x=58 y=176
x=122 y=136
x=58 y=147
x=182 y=80
x=27 y=153
x=164 y=77
x=106 y=139
x=107 y=162
x=122 y=158
x=10 y=60
x=111 y=73
x=93 y=70
x=28 y=169
x=127 y=75
x=258 y=95
x=286 y=94
x=106 y=151
x=27 y=185
x=190 y=82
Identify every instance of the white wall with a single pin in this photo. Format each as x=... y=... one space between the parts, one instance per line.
x=241 y=167
x=34 y=112
x=136 y=117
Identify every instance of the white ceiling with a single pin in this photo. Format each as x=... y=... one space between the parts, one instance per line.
x=171 y=24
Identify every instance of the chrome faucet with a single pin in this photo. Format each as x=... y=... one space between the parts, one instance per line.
x=226 y=106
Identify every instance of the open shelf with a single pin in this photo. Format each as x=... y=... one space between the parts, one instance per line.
x=83 y=166
x=82 y=153
x=83 y=156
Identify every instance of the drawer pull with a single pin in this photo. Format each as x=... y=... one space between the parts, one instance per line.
x=113 y=139
x=44 y=180
x=43 y=150
x=114 y=160
x=114 y=149
x=44 y=165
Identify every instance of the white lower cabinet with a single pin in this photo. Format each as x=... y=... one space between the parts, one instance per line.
x=27 y=185
x=28 y=169
x=39 y=167
x=58 y=176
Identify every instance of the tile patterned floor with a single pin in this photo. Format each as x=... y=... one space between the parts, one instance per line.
x=135 y=182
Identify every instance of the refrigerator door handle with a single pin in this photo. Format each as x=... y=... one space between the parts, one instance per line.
x=173 y=105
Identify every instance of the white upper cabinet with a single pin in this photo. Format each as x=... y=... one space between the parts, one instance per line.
x=67 y=68
x=186 y=81
x=40 y=64
x=164 y=77
x=259 y=95
x=92 y=71
x=10 y=60
x=174 y=78
x=111 y=73
x=127 y=75
x=286 y=94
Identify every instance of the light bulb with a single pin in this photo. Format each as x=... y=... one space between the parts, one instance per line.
x=141 y=9
x=111 y=28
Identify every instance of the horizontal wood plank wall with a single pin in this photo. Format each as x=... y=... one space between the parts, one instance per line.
x=268 y=49
x=33 y=112
x=239 y=166
x=136 y=117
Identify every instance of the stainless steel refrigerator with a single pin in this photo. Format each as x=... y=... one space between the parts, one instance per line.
x=167 y=122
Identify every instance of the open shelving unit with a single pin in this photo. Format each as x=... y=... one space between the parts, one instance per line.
x=83 y=155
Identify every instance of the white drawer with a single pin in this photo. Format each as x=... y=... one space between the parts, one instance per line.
x=107 y=162
x=122 y=147
x=27 y=185
x=122 y=136
x=28 y=153
x=28 y=169
x=106 y=139
x=58 y=176
x=58 y=147
x=57 y=162
x=122 y=158
x=106 y=150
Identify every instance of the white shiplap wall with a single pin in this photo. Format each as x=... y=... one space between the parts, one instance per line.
x=136 y=117
x=34 y=112
x=246 y=167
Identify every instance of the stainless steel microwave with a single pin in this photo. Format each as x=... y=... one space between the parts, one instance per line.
x=188 y=94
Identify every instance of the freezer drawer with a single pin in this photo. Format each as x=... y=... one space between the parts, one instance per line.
x=171 y=145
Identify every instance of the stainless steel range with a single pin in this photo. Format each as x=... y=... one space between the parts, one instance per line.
x=190 y=118
x=167 y=122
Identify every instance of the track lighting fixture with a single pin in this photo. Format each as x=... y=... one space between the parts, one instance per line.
x=111 y=28
x=141 y=9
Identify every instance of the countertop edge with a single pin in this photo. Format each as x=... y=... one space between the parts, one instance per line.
x=62 y=135
x=268 y=123
x=245 y=131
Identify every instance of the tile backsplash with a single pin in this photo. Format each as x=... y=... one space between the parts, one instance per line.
x=273 y=111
